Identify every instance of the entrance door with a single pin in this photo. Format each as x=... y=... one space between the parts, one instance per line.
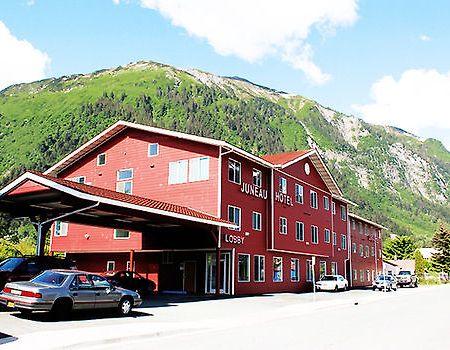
x=190 y=277
x=211 y=273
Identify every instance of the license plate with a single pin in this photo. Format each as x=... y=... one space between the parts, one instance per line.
x=10 y=304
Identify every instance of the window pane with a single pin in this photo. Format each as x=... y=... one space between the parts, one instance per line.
x=121 y=234
x=125 y=174
x=101 y=159
x=277 y=269
x=257 y=178
x=153 y=149
x=243 y=268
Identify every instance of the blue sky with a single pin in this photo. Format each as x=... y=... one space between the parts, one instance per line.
x=384 y=61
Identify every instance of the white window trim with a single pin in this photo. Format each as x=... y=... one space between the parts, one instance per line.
x=174 y=181
x=157 y=150
x=260 y=177
x=128 y=266
x=64 y=227
x=280 y=226
x=190 y=170
x=323 y=262
x=128 y=178
x=298 y=270
x=282 y=189
x=248 y=267
x=263 y=275
x=260 y=221
x=309 y=263
x=119 y=183
x=334 y=263
x=334 y=238
x=326 y=200
x=343 y=211
x=240 y=171
x=325 y=235
x=302 y=199
x=98 y=158
x=343 y=239
x=273 y=270
x=317 y=234
x=302 y=224
x=240 y=216
x=311 y=201
x=113 y=263
x=115 y=234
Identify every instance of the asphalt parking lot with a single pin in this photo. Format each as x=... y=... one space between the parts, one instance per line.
x=167 y=316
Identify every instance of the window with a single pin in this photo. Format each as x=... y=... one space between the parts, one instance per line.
x=343 y=213
x=299 y=231
x=129 y=267
x=334 y=238
x=198 y=169
x=333 y=208
x=124 y=183
x=361 y=250
x=361 y=275
x=79 y=179
x=372 y=251
x=256 y=221
x=314 y=234
x=367 y=250
x=379 y=253
x=353 y=225
x=334 y=268
x=110 y=265
x=366 y=230
x=277 y=269
x=61 y=228
x=309 y=271
x=101 y=159
x=354 y=249
x=326 y=236
x=257 y=178
x=283 y=185
x=178 y=172
x=379 y=233
x=283 y=225
x=344 y=242
x=299 y=193
x=121 y=234
x=234 y=171
x=323 y=268
x=295 y=277
x=259 y=268
x=234 y=216
x=326 y=203
x=243 y=267
x=368 y=275
x=360 y=227
x=313 y=199
x=153 y=149
x=355 y=274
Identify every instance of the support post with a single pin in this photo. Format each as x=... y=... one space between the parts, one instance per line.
x=42 y=228
x=131 y=260
x=218 y=274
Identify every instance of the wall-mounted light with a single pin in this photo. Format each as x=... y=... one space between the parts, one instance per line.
x=87 y=235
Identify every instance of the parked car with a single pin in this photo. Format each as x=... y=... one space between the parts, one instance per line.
x=131 y=280
x=25 y=267
x=332 y=282
x=61 y=291
x=385 y=282
x=407 y=278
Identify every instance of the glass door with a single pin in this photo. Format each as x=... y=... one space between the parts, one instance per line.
x=211 y=269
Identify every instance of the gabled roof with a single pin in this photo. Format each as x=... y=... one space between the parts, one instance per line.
x=121 y=125
x=366 y=220
x=279 y=159
x=109 y=197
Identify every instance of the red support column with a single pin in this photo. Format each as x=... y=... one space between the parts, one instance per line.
x=131 y=260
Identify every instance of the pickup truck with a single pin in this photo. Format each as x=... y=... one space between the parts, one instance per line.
x=407 y=278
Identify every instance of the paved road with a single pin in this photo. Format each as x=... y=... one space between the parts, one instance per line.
x=350 y=320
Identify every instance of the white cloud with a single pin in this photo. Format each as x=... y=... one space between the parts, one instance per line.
x=20 y=62
x=424 y=37
x=31 y=2
x=417 y=101
x=255 y=29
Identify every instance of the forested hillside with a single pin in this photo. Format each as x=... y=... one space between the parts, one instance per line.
x=397 y=179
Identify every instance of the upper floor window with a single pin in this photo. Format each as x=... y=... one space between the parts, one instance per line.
x=256 y=221
x=353 y=224
x=372 y=251
x=314 y=234
x=257 y=178
x=234 y=171
x=283 y=225
x=366 y=230
x=121 y=234
x=313 y=199
x=79 y=179
x=124 y=181
x=101 y=159
x=343 y=213
x=360 y=227
x=361 y=250
x=299 y=231
x=334 y=238
x=199 y=169
x=367 y=251
x=61 y=228
x=333 y=208
x=343 y=242
x=354 y=247
x=178 y=172
x=234 y=216
x=299 y=193
x=327 y=235
x=153 y=149
x=283 y=185
x=326 y=203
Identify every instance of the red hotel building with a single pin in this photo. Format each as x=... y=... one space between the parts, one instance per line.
x=287 y=209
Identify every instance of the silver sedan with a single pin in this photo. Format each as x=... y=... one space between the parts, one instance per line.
x=61 y=291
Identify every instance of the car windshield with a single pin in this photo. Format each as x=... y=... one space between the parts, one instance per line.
x=381 y=278
x=328 y=278
x=10 y=264
x=50 y=278
x=404 y=273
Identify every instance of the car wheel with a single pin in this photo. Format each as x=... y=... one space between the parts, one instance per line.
x=125 y=306
x=336 y=288
x=345 y=288
x=374 y=288
x=25 y=312
x=61 y=308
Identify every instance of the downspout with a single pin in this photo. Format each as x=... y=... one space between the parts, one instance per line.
x=349 y=252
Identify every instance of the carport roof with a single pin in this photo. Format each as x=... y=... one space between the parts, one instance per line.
x=45 y=193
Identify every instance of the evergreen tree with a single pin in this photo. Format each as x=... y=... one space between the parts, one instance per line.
x=402 y=247
x=421 y=263
x=440 y=261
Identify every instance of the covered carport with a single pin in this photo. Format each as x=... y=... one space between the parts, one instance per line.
x=45 y=199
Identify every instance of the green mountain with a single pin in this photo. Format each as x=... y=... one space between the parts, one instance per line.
x=397 y=179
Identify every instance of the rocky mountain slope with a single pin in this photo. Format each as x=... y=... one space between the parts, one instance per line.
x=397 y=179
